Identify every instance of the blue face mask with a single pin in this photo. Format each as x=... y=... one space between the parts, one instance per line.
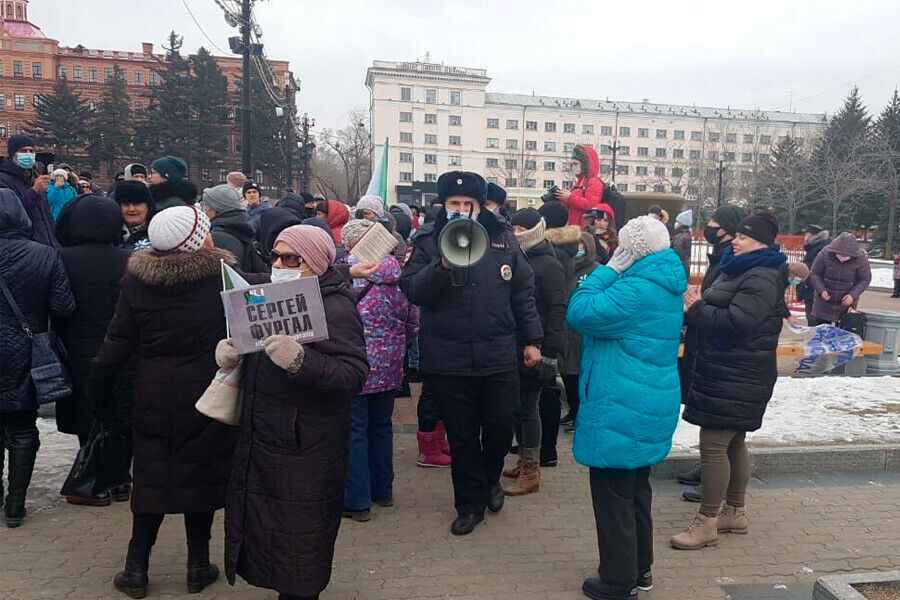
x=579 y=254
x=26 y=160
x=794 y=281
x=452 y=215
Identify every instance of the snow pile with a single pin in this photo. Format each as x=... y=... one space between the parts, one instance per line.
x=822 y=410
x=882 y=279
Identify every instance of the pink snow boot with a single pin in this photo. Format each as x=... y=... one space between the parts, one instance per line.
x=442 y=439
x=430 y=454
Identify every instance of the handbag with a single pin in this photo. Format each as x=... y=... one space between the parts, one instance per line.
x=100 y=465
x=223 y=399
x=50 y=377
x=854 y=322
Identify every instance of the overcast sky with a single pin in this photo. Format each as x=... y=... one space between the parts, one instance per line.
x=713 y=53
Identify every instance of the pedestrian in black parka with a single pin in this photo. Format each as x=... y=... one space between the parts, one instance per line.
x=89 y=229
x=815 y=240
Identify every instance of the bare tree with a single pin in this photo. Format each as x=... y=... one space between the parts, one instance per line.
x=785 y=184
x=352 y=147
x=516 y=165
x=841 y=179
x=883 y=164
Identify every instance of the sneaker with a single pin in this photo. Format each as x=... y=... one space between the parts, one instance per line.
x=645 y=582
x=549 y=463
x=597 y=589
x=733 y=520
x=360 y=516
x=700 y=533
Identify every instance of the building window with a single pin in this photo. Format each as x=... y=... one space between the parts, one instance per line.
x=748 y=138
x=18 y=69
x=531 y=144
x=747 y=157
x=695 y=155
x=430 y=119
x=659 y=171
x=714 y=137
x=92 y=75
x=2 y=102
x=640 y=187
x=493 y=123
x=431 y=138
x=492 y=143
x=405 y=176
x=531 y=126
x=567 y=148
x=4 y=133
x=406 y=137
x=154 y=78
x=76 y=73
x=605 y=169
x=696 y=136
x=568 y=127
x=61 y=72
x=512 y=123
x=511 y=163
x=19 y=101
x=643 y=132
x=567 y=184
x=549 y=166
x=679 y=134
x=623 y=131
x=605 y=149
x=712 y=155
x=258 y=177
x=493 y=180
x=659 y=189
x=405 y=94
x=430 y=177
x=660 y=153
x=431 y=96
x=431 y=159
x=511 y=182
x=549 y=146
x=731 y=138
x=676 y=189
x=138 y=78
x=455 y=161
x=763 y=159
x=587 y=130
x=491 y=163
x=678 y=153
x=661 y=134
x=512 y=144
x=35 y=101
x=455 y=97
x=455 y=120
x=622 y=187
x=529 y=183
x=406 y=117
x=406 y=157
x=223 y=173
x=550 y=127
x=640 y=171
x=677 y=172
x=694 y=173
x=530 y=165
x=204 y=174
x=455 y=140
x=606 y=130
x=765 y=140
x=642 y=151
x=107 y=75
x=729 y=157
x=622 y=169
x=549 y=183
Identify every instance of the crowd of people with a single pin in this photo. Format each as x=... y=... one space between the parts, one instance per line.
x=564 y=308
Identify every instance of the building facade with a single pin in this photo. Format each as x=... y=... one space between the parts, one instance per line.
x=439 y=118
x=31 y=62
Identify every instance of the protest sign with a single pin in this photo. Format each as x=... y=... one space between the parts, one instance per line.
x=292 y=308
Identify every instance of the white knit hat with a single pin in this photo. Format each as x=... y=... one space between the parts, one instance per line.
x=645 y=235
x=178 y=229
x=373 y=203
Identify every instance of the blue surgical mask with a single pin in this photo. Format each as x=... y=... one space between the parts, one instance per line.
x=579 y=254
x=794 y=281
x=26 y=160
x=453 y=215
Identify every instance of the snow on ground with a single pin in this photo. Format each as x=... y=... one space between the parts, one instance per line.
x=882 y=278
x=822 y=410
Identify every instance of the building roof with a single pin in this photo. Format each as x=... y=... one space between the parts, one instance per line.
x=673 y=110
x=23 y=29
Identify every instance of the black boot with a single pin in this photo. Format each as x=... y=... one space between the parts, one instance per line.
x=199 y=572
x=23 y=447
x=691 y=477
x=133 y=580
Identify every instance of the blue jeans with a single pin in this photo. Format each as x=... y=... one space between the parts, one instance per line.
x=412 y=352
x=370 y=472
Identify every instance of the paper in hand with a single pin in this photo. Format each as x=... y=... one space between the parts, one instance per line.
x=374 y=245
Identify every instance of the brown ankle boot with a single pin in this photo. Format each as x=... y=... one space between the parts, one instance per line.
x=699 y=534
x=513 y=472
x=733 y=520
x=529 y=479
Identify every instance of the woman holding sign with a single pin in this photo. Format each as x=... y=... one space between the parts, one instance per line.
x=287 y=486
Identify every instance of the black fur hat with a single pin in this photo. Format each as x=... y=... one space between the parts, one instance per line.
x=462 y=183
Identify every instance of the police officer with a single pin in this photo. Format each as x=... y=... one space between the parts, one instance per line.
x=469 y=324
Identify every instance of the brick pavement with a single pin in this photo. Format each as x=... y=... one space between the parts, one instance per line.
x=540 y=547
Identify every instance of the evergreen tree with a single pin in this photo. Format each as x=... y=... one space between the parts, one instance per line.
x=110 y=125
x=209 y=104
x=786 y=183
x=847 y=128
x=61 y=121
x=267 y=134
x=886 y=170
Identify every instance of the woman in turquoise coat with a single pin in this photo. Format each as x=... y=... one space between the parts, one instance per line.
x=629 y=313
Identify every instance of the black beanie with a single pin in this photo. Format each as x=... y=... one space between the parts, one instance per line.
x=762 y=227
x=250 y=185
x=728 y=217
x=555 y=214
x=813 y=229
x=17 y=142
x=497 y=194
x=527 y=218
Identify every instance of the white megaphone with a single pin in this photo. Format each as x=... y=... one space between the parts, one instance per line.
x=463 y=243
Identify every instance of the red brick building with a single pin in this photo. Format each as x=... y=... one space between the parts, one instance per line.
x=30 y=63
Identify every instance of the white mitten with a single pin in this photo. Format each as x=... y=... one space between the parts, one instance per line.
x=226 y=356
x=285 y=352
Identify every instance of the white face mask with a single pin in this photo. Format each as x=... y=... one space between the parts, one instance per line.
x=576 y=169
x=282 y=275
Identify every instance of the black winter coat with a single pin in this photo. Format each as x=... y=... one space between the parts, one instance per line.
x=471 y=318
x=287 y=487
x=89 y=229
x=584 y=266
x=170 y=312
x=233 y=230
x=35 y=276
x=19 y=181
x=550 y=298
x=730 y=371
x=811 y=250
x=565 y=242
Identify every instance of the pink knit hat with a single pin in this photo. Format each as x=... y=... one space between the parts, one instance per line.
x=313 y=245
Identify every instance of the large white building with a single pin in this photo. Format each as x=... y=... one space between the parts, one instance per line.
x=439 y=118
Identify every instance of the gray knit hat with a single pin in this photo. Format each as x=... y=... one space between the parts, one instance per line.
x=221 y=198
x=354 y=230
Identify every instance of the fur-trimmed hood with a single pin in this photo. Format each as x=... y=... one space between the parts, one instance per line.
x=564 y=235
x=167 y=270
x=164 y=192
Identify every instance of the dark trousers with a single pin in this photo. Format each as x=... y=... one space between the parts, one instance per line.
x=370 y=470
x=896 y=288
x=574 y=400
x=809 y=305
x=197 y=526
x=528 y=417
x=19 y=438
x=429 y=408
x=550 y=406
x=479 y=414
x=621 y=499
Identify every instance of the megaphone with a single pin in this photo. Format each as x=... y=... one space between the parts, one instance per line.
x=463 y=243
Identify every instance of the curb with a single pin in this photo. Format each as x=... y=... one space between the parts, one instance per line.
x=841 y=587
x=799 y=459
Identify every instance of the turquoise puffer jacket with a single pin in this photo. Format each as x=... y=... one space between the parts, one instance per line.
x=630 y=394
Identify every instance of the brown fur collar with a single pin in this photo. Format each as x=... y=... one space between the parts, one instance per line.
x=166 y=270
x=563 y=235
